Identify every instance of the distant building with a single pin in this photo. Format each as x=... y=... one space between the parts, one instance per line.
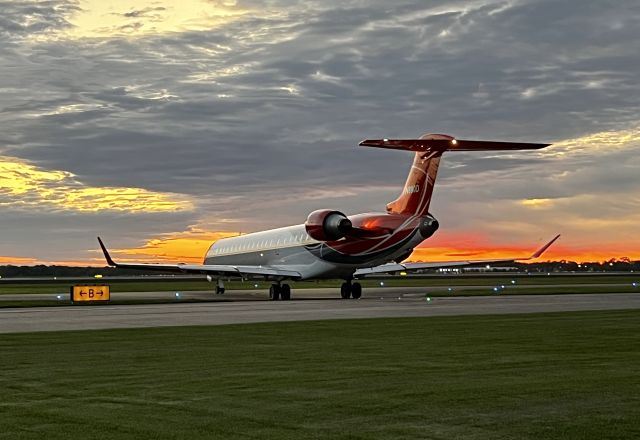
x=450 y=270
x=489 y=268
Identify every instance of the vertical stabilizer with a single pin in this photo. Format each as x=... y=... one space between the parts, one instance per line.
x=418 y=189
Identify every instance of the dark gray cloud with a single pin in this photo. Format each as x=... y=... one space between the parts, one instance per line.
x=50 y=236
x=20 y=19
x=271 y=106
x=144 y=12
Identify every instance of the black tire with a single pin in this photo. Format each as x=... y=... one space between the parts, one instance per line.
x=219 y=290
x=274 y=292
x=345 y=290
x=356 y=290
x=285 y=292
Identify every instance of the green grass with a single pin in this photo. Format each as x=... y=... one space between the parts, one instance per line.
x=545 y=376
x=430 y=289
x=602 y=289
x=6 y=287
x=66 y=302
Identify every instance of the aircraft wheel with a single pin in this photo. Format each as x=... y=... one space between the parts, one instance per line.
x=285 y=292
x=219 y=290
x=345 y=290
x=356 y=290
x=274 y=292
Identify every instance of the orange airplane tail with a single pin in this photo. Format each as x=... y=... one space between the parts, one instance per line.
x=418 y=189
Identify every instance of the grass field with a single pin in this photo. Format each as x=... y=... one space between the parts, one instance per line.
x=6 y=287
x=546 y=376
x=433 y=287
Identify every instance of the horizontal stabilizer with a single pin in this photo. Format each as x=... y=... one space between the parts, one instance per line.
x=448 y=145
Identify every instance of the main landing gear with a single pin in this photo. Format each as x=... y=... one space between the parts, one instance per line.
x=348 y=289
x=280 y=291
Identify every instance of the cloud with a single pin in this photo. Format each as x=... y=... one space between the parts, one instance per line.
x=144 y=12
x=264 y=103
x=55 y=236
x=30 y=18
x=187 y=247
x=17 y=260
x=25 y=186
x=99 y=19
x=584 y=188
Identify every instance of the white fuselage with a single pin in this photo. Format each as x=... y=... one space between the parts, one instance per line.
x=291 y=248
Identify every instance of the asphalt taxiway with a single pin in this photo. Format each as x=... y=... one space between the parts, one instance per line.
x=305 y=293
x=242 y=307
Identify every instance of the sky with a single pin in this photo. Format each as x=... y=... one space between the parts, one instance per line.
x=163 y=125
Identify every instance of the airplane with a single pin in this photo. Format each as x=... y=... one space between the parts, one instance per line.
x=332 y=245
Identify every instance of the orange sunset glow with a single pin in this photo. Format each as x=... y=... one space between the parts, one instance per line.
x=17 y=261
x=190 y=247
x=444 y=250
x=187 y=247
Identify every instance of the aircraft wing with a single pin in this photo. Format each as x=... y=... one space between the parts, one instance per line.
x=408 y=267
x=209 y=269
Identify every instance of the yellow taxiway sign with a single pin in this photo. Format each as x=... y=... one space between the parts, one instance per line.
x=84 y=293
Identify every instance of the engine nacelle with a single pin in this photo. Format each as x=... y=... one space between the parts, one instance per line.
x=428 y=226
x=327 y=225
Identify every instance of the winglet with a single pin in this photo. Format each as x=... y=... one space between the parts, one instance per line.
x=541 y=251
x=107 y=257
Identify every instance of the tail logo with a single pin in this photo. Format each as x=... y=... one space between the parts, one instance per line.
x=412 y=189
